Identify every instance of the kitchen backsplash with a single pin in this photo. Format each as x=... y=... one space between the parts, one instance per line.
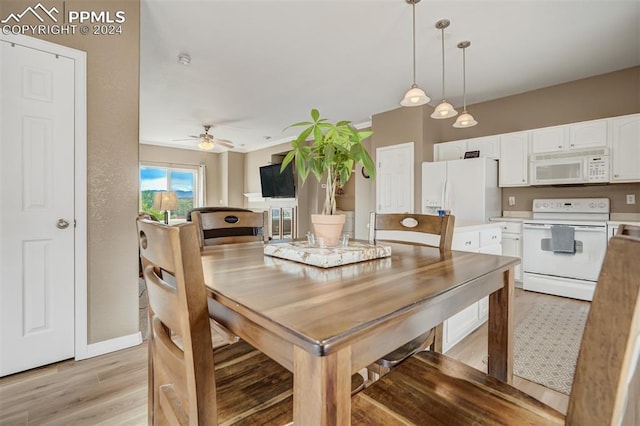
x=617 y=194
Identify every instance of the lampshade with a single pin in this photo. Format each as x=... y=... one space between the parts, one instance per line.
x=444 y=108
x=165 y=201
x=415 y=96
x=465 y=120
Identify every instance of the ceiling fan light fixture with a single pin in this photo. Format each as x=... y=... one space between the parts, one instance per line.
x=205 y=144
x=415 y=96
x=465 y=119
x=444 y=108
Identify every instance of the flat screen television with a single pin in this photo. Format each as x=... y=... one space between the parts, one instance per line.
x=275 y=184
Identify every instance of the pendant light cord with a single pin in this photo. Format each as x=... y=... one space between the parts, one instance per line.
x=413 y=7
x=464 y=79
x=443 y=96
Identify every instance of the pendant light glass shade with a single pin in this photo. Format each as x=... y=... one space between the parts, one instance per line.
x=465 y=119
x=415 y=96
x=444 y=108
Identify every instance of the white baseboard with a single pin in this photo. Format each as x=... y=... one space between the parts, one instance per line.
x=112 y=345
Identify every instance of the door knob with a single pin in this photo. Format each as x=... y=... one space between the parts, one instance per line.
x=62 y=224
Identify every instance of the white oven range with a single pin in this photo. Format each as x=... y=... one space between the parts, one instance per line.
x=564 y=246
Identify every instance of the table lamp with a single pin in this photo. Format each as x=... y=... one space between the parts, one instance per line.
x=165 y=201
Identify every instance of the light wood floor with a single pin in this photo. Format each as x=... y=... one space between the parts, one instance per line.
x=112 y=389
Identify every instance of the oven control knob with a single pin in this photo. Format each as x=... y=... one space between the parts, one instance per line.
x=537 y=205
x=601 y=205
x=592 y=205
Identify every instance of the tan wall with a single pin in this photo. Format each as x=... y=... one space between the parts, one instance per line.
x=112 y=162
x=235 y=179
x=178 y=157
x=398 y=126
x=606 y=95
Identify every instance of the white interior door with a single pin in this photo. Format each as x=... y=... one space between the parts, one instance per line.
x=36 y=209
x=394 y=179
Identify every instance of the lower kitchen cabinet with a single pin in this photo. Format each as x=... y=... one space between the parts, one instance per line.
x=512 y=243
x=479 y=239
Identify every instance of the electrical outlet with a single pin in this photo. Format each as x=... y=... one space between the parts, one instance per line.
x=631 y=198
x=512 y=200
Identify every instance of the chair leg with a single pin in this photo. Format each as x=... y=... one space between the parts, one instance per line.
x=438 y=339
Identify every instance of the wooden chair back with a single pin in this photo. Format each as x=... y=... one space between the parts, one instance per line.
x=611 y=342
x=440 y=226
x=181 y=380
x=626 y=229
x=226 y=227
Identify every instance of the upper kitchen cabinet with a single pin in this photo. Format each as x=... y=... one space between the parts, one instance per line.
x=548 y=139
x=489 y=146
x=514 y=159
x=625 y=149
x=449 y=150
x=588 y=134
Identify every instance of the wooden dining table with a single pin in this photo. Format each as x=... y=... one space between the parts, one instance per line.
x=325 y=324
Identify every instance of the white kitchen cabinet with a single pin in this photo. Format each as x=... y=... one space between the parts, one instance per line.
x=612 y=227
x=489 y=146
x=483 y=239
x=512 y=243
x=548 y=139
x=514 y=159
x=577 y=136
x=588 y=134
x=625 y=149
x=449 y=150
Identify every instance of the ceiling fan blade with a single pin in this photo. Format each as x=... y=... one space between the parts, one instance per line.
x=223 y=142
x=180 y=140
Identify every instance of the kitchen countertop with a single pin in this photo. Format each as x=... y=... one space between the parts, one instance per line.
x=476 y=227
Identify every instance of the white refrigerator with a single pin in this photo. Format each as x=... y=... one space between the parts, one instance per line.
x=468 y=188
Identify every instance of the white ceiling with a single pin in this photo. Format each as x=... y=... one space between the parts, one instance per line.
x=258 y=65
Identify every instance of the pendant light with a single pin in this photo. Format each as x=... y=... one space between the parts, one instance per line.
x=415 y=96
x=444 y=108
x=465 y=119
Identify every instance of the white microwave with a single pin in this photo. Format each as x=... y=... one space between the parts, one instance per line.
x=557 y=168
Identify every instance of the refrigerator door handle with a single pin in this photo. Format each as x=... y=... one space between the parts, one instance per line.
x=443 y=197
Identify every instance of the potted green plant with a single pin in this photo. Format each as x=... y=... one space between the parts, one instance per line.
x=329 y=151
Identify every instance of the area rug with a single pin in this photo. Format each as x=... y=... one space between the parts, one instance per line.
x=546 y=344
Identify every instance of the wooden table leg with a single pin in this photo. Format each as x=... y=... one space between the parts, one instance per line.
x=322 y=388
x=500 y=363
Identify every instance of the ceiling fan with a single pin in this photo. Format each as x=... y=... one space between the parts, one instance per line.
x=206 y=141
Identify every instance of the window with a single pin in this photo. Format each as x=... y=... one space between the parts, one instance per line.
x=185 y=181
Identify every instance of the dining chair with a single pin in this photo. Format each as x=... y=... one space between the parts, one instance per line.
x=626 y=229
x=430 y=388
x=412 y=228
x=226 y=227
x=191 y=383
